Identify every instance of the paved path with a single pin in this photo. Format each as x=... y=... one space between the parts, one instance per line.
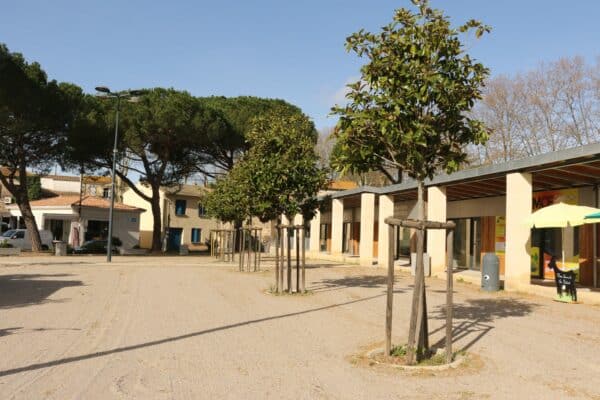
x=187 y=328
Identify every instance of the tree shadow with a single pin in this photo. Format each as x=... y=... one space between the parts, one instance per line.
x=9 y=331
x=21 y=290
x=473 y=319
x=315 y=266
x=67 y=360
x=363 y=281
x=21 y=330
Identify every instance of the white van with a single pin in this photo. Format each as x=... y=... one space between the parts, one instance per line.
x=21 y=238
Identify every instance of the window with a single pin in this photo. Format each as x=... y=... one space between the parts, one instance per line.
x=180 y=207
x=20 y=235
x=105 y=193
x=201 y=210
x=196 y=235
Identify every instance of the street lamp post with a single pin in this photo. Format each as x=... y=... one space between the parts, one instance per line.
x=132 y=96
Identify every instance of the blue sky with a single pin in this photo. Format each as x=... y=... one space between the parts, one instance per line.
x=286 y=49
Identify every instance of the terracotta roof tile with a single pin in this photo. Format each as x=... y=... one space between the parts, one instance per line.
x=187 y=190
x=88 y=201
x=341 y=185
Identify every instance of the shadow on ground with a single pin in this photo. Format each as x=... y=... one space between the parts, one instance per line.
x=362 y=281
x=9 y=331
x=473 y=319
x=117 y=350
x=22 y=290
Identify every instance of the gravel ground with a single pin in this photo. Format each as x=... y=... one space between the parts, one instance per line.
x=190 y=328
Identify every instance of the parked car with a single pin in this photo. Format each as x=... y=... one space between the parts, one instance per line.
x=96 y=246
x=22 y=239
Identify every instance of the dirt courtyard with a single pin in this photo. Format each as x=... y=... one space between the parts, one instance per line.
x=190 y=328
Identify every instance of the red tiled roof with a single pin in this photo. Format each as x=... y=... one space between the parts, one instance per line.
x=87 y=201
x=96 y=179
x=67 y=178
x=341 y=185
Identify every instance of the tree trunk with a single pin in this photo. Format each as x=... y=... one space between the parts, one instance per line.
x=277 y=245
x=449 y=290
x=30 y=223
x=157 y=221
x=418 y=328
x=289 y=260
x=304 y=227
x=389 y=293
x=297 y=261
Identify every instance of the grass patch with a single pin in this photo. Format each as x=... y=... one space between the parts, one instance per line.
x=272 y=290
x=425 y=358
x=398 y=351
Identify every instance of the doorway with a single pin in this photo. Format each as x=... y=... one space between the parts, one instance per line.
x=467 y=243
x=96 y=230
x=174 y=239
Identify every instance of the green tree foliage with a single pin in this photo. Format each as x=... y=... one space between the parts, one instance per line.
x=284 y=166
x=410 y=109
x=160 y=139
x=35 y=115
x=410 y=112
x=34 y=187
x=224 y=147
x=278 y=175
x=229 y=199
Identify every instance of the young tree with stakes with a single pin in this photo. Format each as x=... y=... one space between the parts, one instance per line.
x=279 y=174
x=410 y=112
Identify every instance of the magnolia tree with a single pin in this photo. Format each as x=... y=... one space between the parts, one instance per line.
x=409 y=112
x=278 y=175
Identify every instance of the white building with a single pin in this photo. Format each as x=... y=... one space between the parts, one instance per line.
x=75 y=222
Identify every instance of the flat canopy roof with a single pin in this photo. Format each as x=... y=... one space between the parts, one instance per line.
x=576 y=167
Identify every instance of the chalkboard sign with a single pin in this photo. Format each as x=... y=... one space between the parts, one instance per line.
x=565 y=284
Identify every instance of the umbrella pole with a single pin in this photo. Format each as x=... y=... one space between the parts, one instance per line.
x=562 y=247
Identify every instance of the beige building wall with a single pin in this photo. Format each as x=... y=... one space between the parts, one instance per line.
x=188 y=221
x=385 y=237
x=315 y=226
x=337 y=220
x=367 y=228
x=131 y=198
x=484 y=207
x=517 y=273
x=436 y=238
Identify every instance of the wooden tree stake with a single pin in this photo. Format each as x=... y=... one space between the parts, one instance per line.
x=449 y=294
x=390 y=296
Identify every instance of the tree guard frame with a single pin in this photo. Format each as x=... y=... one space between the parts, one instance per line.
x=421 y=226
x=250 y=254
x=283 y=243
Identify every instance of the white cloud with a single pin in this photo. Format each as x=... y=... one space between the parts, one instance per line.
x=339 y=96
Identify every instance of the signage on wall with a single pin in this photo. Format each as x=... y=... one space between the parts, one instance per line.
x=535 y=261
x=543 y=199
x=500 y=232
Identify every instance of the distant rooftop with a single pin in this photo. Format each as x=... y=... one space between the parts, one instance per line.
x=73 y=201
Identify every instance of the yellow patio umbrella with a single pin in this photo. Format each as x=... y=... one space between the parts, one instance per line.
x=561 y=215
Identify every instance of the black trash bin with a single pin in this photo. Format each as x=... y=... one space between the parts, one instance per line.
x=490 y=273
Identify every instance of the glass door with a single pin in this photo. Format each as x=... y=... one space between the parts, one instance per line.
x=475 y=255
